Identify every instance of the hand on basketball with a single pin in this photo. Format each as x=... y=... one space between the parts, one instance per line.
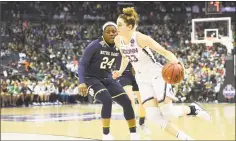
x=116 y=74
x=184 y=70
x=83 y=89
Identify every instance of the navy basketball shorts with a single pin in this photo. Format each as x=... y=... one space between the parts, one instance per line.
x=98 y=86
x=128 y=80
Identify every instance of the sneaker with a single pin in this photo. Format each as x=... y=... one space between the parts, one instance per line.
x=134 y=136
x=201 y=113
x=107 y=137
x=145 y=129
x=59 y=103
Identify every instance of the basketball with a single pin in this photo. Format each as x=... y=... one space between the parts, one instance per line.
x=172 y=73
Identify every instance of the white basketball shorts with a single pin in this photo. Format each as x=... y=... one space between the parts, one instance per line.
x=153 y=86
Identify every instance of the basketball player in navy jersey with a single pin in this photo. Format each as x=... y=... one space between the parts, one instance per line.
x=127 y=80
x=95 y=77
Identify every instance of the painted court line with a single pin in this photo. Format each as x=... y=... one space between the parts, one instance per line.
x=24 y=136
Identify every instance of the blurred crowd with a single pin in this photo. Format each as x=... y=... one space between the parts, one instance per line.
x=42 y=43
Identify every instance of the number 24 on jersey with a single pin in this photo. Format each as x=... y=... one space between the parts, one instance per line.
x=106 y=63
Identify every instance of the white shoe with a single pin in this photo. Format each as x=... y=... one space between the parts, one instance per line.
x=59 y=103
x=183 y=99
x=145 y=129
x=201 y=113
x=134 y=136
x=107 y=137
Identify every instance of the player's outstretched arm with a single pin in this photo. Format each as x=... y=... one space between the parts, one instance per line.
x=146 y=41
x=124 y=64
x=86 y=57
x=124 y=61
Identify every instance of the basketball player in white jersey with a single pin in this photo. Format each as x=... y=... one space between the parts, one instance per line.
x=156 y=95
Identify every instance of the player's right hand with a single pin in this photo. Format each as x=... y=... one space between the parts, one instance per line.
x=83 y=89
x=116 y=74
x=184 y=69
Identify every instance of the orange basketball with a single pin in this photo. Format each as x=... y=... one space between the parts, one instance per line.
x=172 y=73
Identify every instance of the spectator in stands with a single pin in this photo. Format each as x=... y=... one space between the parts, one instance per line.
x=50 y=47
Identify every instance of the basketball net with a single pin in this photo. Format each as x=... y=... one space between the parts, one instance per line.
x=224 y=41
x=209 y=41
x=228 y=43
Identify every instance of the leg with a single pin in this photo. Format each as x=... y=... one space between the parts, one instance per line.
x=11 y=98
x=3 y=99
x=67 y=98
x=141 y=108
x=45 y=98
x=15 y=98
x=31 y=96
x=129 y=90
x=34 y=99
x=101 y=94
x=24 y=100
x=130 y=93
x=37 y=98
x=118 y=94
x=48 y=100
x=142 y=113
x=153 y=113
x=41 y=99
x=27 y=100
x=62 y=98
x=169 y=110
x=126 y=82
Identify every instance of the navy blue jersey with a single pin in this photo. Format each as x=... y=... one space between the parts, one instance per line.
x=128 y=70
x=98 y=60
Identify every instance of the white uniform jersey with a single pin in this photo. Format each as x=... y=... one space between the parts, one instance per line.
x=147 y=71
x=142 y=59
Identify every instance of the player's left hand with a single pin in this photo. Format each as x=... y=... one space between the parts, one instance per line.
x=83 y=89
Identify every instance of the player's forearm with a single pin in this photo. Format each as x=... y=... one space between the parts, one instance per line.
x=124 y=64
x=159 y=49
x=170 y=56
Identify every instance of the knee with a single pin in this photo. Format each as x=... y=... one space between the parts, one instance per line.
x=155 y=116
x=168 y=100
x=105 y=100
x=152 y=113
x=108 y=101
x=125 y=102
x=169 y=111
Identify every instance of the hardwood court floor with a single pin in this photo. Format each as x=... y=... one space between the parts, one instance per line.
x=83 y=121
